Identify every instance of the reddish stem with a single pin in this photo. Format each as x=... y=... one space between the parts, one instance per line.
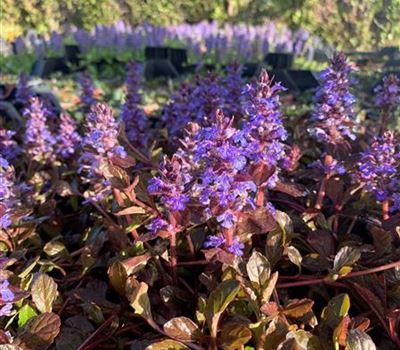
x=349 y=275
x=260 y=195
x=385 y=209
x=228 y=235
x=322 y=189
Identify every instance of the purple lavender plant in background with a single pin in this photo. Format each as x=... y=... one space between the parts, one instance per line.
x=133 y=116
x=67 y=139
x=38 y=140
x=332 y=118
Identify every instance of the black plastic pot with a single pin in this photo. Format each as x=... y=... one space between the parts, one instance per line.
x=303 y=79
x=282 y=76
x=155 y=52
x=178 y=57
x=251 y=69
x=72 y=54
x=43 y=67
x=279 y=60
x=156 y=68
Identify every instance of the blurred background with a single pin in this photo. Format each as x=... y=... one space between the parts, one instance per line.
x=344 y=24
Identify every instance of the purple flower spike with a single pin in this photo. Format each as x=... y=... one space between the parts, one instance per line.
x=9 y=148
x=7 y=193
x=170 y=186
x=87 y=91
x=136 y=122
x=332 y=118
x=100 y=147
x=388 y=94
x=379 y=168
x=68 y=138
x=38 y=141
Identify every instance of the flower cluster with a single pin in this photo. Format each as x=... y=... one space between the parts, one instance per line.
x=87 y=91
x=170 y=185
x=136 y=122
x=379 y=169
x=388 y=94
x=332 y=118
x=7 y=193
x=9 y=148
x=101 y=147
x=67 y=139
x=209 y=173
x=6 y=297
x=263 y=134
x=38 y=140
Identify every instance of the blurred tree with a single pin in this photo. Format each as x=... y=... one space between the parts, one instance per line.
x=347 y=24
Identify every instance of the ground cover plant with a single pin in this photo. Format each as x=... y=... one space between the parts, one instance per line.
x=223 y=222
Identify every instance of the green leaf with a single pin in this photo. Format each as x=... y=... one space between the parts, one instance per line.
x=337 y=308
x=167 y=344
x=258 y=269
x=140 y=301
x=40 y=332
x=233 y=336
x=298 y=308
x=182 y=328
x=44 y=292
x=346 y=257
x=25 y=313
x=218 y=301
x=295 y=257
x=220 y=298
x=358 y=340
